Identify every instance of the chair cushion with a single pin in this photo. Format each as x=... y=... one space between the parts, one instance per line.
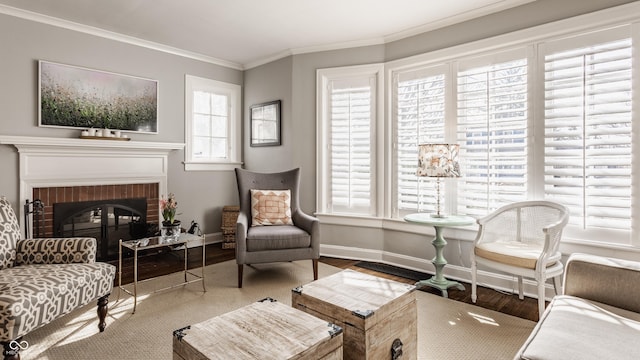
x=9 y=234
x=277 y=237
x=34 y=295
x=270 y=207
x=575 y=328
x=515 y=253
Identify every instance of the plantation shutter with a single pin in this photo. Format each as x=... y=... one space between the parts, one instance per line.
x=420 y=114
x=352 y=146
x=492 y=133
x=588 y=119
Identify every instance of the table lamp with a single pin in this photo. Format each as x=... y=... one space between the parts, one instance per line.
x=438 y=160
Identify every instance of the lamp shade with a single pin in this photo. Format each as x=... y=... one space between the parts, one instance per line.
x=438 y=160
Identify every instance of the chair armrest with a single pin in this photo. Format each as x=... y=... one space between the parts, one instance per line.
x=311 y=225
x=242 y=227
x=614 y=282
x=303 y=221
x=55 y=251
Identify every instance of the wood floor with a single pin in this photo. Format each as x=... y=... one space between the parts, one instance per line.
x=164 y=262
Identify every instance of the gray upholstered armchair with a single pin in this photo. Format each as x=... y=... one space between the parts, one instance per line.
x=43 y=279
x=263 y=238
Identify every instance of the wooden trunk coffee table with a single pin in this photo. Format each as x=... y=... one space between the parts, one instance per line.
x=378 y=316
x=265 y=330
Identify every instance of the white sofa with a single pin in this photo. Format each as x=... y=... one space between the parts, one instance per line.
x=596 y=317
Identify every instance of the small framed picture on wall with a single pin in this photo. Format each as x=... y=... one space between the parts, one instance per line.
x=265 y=124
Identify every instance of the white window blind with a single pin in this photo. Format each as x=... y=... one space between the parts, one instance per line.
x=588 y=130
x=420 y=118
x=352 y=145
x=492 y=133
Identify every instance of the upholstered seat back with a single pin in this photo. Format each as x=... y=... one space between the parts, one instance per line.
x=247 y=180
x=9 y=234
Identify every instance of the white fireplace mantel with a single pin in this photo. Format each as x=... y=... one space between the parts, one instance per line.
x=32 y=143
x=53 y=162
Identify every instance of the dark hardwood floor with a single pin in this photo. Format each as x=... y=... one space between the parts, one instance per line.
x=162 y=262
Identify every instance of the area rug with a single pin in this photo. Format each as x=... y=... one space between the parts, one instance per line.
x=446 y=329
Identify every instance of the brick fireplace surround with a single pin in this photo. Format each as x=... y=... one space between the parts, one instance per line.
x=71 y=169
x=70 y=194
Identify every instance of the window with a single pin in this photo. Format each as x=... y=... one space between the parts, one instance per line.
x=420 y=112
x=212 y=115
x=537 y=116
x=485 y=112
x=492 y=122
x=588 y=118
x=348 y=107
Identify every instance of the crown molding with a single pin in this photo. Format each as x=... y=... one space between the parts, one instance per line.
x=70 y=25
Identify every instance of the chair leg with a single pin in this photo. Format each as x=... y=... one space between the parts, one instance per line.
x=541 y=300
x=474 y=279
x=315 y=269
x=240 y=268
x=520 y=288
x=102 y=312
x=557 y=284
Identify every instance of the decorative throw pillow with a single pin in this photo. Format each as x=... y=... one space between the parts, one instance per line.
x=270 y=207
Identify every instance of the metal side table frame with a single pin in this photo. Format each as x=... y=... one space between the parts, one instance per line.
x=156 y=242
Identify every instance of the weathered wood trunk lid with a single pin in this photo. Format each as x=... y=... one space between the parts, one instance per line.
x=262 y=330
x=378 y=316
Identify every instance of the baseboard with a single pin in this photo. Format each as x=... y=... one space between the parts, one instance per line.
x=498 y=281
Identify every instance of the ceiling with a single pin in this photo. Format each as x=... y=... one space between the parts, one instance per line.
x=245 y=33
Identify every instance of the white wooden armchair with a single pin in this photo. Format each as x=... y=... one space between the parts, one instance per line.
x=522 y=239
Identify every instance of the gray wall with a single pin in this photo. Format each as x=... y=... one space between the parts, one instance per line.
x=268 y=83
x=201 y=195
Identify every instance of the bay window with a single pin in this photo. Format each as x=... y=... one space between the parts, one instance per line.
x=542 y=118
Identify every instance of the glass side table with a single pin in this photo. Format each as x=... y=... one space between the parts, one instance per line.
x=156 y=242
x=438 y=281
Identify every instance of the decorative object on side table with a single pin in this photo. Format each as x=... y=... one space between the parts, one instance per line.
x=438 y=160
x=170 y=229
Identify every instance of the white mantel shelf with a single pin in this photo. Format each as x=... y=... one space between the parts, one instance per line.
x=76 y=144
x=56 y=162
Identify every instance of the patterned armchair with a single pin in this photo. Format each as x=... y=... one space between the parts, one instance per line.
x=44 y=279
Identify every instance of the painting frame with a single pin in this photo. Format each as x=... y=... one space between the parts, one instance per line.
x=265 y=124
x=71 y=96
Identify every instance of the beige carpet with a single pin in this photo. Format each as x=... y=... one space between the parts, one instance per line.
x=447 y=329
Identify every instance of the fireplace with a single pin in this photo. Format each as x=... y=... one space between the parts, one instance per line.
x=105 y=212
x=106 y=220
x=62 y=170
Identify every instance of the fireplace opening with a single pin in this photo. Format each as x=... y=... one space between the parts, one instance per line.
x=106 y=220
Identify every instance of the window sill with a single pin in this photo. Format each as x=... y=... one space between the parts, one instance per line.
x=222 y=166
x=568 y=245
x=466 y=233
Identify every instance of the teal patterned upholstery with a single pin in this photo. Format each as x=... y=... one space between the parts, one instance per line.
x=43 y=279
